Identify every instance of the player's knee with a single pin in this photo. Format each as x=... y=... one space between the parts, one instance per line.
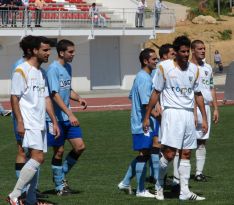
x=59 y=153
x=185 y=154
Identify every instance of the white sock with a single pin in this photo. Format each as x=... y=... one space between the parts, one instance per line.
x=26 y=174
x=201 y=158
x=163 y=164
x=184 y=171
x=176 y=178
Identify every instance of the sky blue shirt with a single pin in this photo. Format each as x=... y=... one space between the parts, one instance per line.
x=18 y=62
x=59 y=81
x=140 y=95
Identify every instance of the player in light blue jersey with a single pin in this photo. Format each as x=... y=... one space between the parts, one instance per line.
x=59 y=76
x=142 y=142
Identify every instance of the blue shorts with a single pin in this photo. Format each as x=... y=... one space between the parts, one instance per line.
x=156 y=128
x=17 y=137
x=142 y=141
x=67 y=131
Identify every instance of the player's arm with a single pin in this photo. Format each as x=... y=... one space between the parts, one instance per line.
x=153 y=100
x=50 y=111
x=17 y=114
x=200 y=103
x=215 y=105
x=58 y=100
x=74 y=96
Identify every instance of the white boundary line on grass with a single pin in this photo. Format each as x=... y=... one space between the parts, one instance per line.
x=103 y=106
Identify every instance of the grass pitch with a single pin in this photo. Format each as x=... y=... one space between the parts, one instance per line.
x=108 y=154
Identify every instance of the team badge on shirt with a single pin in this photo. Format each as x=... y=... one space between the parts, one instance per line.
x=190 y=78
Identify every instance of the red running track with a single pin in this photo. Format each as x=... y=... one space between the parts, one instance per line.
x=113 y=103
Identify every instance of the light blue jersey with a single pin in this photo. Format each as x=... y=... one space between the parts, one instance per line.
x=59 y=81
x=18 y=62
x=140 y=95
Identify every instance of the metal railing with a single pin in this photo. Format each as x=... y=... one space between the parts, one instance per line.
x=108 y=19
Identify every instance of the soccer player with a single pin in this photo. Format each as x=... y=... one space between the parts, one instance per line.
x=21 y=157
x=142 y=142
x=166 y=51
x=30 y=101
x=59 y=76
x=178 y=82
x=208 y=91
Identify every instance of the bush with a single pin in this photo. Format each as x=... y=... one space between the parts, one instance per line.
x=226 y=34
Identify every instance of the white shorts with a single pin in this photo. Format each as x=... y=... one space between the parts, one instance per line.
x=35 y=139
x=178 y=129
x=200 y=135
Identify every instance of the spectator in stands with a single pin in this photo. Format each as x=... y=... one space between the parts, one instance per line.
x=158 y=8
x=218 y=61
x=140 y=13
x=4 y=6
x=27 y=12
x=14 y=7
x=97 y=18
x=39 y=4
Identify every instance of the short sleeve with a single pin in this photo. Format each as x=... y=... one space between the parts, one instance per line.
x=18 y=83
x=53 y=80
x=159 y=79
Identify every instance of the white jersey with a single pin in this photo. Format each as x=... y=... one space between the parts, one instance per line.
x=206 y=81
x=30 y=85
x=177 y=86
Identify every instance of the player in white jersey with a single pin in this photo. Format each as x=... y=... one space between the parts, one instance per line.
x=166 y=51
x=178 y=83
x=209 y=95
x=30 y=101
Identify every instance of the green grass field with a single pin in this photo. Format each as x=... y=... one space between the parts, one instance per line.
x=102 y=166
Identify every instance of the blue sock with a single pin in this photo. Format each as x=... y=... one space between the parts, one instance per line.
x=131 y=172
x=154 y=166
x=70 y=161
x=38 y=176
x=58 y=177
x=140 y=173
x=58 y=174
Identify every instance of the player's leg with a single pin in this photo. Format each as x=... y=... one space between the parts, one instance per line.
x=143 y=144
x=27 y=173
x=74 y=136
x=189 y=143
x=200 y=160
x=168 y=154
x=176 y=178
x=201 y=145
x=57 y=159
x=131 y=172
x=154 y=160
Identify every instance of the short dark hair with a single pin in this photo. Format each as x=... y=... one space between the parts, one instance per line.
x=145 y=55
x=164 y=49
x=63 y=45
x=28 y=43
x=181 y=41
x=93 y=4
x=195 y=42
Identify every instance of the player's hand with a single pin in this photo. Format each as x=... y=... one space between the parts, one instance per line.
x=56 y=130
x=20 y=129
x=216 y=116
x=146 y=125
x=73 y=120
x=83 y=103
x=204 y=126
